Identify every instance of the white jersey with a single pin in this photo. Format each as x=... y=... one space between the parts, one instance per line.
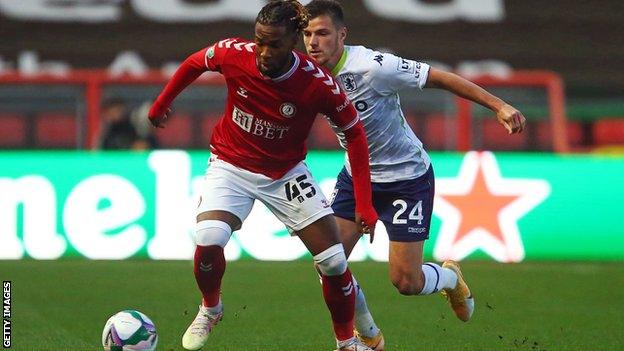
x=372 y=81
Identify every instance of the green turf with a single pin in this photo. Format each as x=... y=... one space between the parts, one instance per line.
x=62 y=305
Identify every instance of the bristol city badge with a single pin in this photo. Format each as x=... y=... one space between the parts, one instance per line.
x=288 y=110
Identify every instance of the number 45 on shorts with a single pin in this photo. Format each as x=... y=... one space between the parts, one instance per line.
x=294 y=189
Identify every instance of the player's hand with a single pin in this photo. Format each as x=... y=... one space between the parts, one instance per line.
x=158 y=114
x=511 y=119
x=366 y=222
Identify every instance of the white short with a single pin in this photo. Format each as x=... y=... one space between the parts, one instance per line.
x=295 y=199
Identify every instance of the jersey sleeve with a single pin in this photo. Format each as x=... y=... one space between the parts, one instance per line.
x=338 y=108
x=391 y=73
x=215 y=55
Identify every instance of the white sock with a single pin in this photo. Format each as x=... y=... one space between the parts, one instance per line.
x=364 y=322
x=437 y=278
x=214 y=310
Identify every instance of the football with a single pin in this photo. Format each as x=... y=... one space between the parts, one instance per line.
x=129 y=330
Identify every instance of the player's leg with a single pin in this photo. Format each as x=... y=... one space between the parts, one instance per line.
x=411 y=276
x=213 y=231
x=407 y=223
x=322 y=240
x=348 y=234
x=298 y=202
x=223 y=206
x=343 y=204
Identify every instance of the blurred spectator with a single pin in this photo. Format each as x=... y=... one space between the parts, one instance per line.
x=144 y=129
x=123 y=130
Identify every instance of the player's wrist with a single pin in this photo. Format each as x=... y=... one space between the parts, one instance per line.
x=157 y=110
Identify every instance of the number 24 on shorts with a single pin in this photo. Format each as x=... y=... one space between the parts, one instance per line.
x=415 y=213
x=295 y=188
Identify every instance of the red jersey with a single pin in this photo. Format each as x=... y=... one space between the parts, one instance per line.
x=266 y=121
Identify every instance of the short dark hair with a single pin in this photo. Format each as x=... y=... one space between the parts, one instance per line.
x=330 y=8
x=288 y=13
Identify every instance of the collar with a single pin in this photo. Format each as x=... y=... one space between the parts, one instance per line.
x=341 y=63
x=290 y=71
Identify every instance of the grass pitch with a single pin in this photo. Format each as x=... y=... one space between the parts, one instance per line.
x=62 y=305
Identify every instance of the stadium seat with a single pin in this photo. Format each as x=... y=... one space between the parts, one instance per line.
x=13 y=130
x=545 y=137
x=321 y=136
x=415 y=122
x=56 y=130
x=178 y=132
x=434 y=136
x=609 y=131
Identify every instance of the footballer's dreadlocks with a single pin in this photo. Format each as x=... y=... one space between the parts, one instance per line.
x=288 y=13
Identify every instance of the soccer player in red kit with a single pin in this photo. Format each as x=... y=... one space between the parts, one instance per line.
x=258 y=147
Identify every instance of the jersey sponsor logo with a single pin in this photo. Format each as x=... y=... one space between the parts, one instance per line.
x=242 y=119
x=343 y=105
x=361 y=106
x=348 y=82
x=379 y=59
x=258 y=126
x=288 y=109
x=405 y=66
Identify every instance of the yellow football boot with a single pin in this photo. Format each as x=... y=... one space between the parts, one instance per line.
x=459 y=298
x=377 y=342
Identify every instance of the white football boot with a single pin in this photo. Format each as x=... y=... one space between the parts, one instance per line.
x=197 y=333
x=354 y=345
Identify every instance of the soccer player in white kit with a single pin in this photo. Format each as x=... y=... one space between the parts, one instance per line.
x=401 y=170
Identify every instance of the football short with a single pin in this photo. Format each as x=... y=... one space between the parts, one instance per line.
x=404 y=207
x=295 y=199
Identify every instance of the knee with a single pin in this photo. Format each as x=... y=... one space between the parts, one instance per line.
x=332 y=261
x=408 y=284
x=212 y=232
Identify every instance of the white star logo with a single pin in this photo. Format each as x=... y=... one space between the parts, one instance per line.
x=480 y=210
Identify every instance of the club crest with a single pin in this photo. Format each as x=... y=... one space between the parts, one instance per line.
x=288 y=110
x=348 y=82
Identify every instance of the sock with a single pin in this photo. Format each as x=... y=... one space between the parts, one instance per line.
x=209 y=266
x=339 y=296
x=364 y=322
x=437 y=278
x=213 y=311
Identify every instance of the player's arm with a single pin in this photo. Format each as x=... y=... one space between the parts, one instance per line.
x=344 y=115
x=507 y=115
x=187 y=73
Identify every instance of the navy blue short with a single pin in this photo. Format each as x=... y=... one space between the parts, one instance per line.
x=404 y=207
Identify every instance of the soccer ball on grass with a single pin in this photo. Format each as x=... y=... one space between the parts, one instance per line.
x=129 y=330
